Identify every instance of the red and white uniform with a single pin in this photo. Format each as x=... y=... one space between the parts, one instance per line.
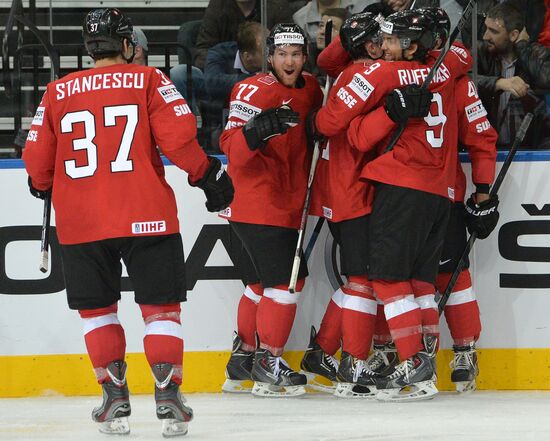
x=96 y=132
x=334 y=58
x=270 y=184
x=476 y=134
x=425 y=156
x=338 y=193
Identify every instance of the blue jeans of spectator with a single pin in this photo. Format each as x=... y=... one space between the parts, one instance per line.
x=178 y=75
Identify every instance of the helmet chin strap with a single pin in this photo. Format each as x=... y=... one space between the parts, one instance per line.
x=131 y=57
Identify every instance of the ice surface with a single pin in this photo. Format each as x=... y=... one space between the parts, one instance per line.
x=484 y=416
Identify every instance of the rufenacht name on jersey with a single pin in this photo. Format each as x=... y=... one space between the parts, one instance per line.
x=417 y=76
x=169 y=93
x=475 y=111
x=242 y=110
x=148 y=227
x=116 y=80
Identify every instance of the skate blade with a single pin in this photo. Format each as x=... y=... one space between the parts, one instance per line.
x=424 y=390
x=352 y=390
x=269 y=390
x=237 y=386
x=172 y=427
x=464 y=387
x=318 y=383
x=116 y=426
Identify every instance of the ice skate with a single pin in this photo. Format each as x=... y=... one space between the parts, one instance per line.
x=413 y=379
x=319 y=367
x=112 y=415
x=171 y=408
x=237 y=371
x=355 y=379
x=465 y=368
x=383 y=359
x=274 y=378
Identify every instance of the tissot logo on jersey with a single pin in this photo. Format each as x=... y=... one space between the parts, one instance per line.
x=361 y=86
x=116 y=80
x=38 y=116
x=169 y=93
x=475 y=111
x=241 y=110
x=148 y=227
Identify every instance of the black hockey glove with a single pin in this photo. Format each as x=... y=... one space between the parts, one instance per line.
x=409 y=102
x=40 y=194
x=217 y=186
x=269 y=123
x=483 y=217
x=312 y=134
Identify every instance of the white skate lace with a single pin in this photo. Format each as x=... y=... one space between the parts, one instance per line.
x=280 y=366
x=331 y=361
x=463 y=360
x=377 y=360
x=402 y=368
x=360 y=368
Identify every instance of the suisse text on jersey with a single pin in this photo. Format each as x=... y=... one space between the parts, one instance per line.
x=117 y=80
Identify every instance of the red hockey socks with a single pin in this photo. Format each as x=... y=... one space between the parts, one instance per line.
x=104 y=337
x=382 y=334
x=461 y=310
x=403 y=315
x=330 y=331
x=163 y=340
x=424 y=295
x=246 y=316
x=358 y=316
x=275 y=316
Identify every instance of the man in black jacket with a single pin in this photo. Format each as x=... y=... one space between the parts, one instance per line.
x=223 y=17
x=511 y=69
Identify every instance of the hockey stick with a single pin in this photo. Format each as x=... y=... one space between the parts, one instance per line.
x=494 y=190
x=307 y=201
x=433 y=70
x=45 y=238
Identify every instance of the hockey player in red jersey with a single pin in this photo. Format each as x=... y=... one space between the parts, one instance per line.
x=479 y=139
x=265 y=143
x=93 y=143
x=416 y=180
x=351 y=312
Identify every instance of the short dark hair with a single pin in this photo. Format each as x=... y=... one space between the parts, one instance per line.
x=341 y=13
x=247 y=36
x=511 y=17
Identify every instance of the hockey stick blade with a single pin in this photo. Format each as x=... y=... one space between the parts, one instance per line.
x=520 y=134
x=431 y=74
x=314 y=159
x=45 y=238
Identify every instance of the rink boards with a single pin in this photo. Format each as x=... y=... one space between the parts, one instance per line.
x=42 y=350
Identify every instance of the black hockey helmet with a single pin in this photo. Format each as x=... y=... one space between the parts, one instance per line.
x=442 y=23
x=104 y=30
x=412 y=26
x=357 y=30
x=284 y=34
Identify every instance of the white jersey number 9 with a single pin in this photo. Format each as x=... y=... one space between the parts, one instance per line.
x=434 y=120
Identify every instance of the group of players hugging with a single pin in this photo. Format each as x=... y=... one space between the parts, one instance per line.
x=397 y=214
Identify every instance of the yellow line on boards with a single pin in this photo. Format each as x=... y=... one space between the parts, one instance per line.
x=39 y=375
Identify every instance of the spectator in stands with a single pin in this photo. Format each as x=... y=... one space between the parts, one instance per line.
x=338 y=16
x=510 y=67
x=141 y=47
x=310 y=15
x=229 y=62
x=222 y=18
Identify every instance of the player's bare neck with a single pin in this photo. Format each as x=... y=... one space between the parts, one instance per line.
x=110 y=61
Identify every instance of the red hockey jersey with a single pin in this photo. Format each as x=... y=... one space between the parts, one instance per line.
x=270 y=184
x=94 y=140
x=425 y=156
x=338 y=194
x=475 y=134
